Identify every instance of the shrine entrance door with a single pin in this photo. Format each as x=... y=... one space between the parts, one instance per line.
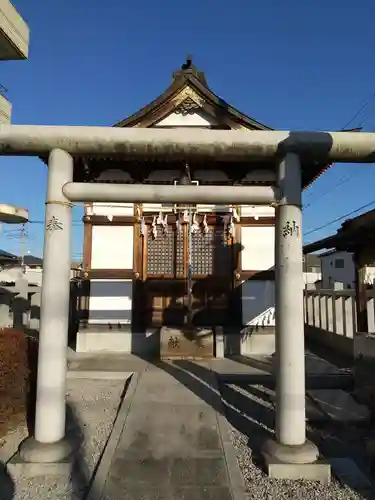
x=163 y=288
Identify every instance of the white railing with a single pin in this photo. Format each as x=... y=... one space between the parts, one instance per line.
x=331 y=319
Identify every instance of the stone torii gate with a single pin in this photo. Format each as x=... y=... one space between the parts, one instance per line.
x=286 y=148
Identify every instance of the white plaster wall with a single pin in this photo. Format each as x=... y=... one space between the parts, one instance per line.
x=258 y=252
x=112 y=247
x=110 y=301
x=179 y=120
x=332 y=276
x=257 y=211
x=100 y=208
x=258 y=301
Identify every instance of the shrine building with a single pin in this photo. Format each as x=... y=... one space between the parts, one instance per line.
x=151 y=270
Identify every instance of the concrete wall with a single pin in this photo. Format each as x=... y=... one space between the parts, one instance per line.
x=14 y=33
x=5 y=110
x=33 y=276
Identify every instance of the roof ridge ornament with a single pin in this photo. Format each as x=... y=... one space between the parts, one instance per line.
x=189 y=63
x=188 y=68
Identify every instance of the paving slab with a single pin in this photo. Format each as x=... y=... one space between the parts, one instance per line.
x=115 y=363
x=171 y=445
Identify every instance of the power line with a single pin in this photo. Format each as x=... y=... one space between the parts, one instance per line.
x=340 y=218
x=75 y=222
x=345 y=128
x=364 y=106
x=342 y=181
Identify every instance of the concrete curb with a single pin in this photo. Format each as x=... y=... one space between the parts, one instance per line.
x=98 y=375
x=236 y=479
x=100 y=475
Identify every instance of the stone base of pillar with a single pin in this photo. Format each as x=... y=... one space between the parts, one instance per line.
x=42 y=459
x=295 y=462
x=34 y=451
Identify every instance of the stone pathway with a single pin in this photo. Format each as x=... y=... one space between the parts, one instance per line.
x=185 y=432
x=172 y=446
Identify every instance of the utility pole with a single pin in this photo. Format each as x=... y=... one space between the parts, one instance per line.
x=22 y=247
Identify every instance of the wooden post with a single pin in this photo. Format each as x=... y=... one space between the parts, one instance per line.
x=361 y=291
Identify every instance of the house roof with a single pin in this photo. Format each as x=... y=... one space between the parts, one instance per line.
x=7 y=256
x=31 y=260
x=187 y=92
x=189 y=87
x=352 y=234
x=189 y=77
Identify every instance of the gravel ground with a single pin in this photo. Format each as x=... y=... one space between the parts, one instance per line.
x=248 y=433
x=92 y=408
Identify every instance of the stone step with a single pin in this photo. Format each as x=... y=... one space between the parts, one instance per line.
x=339 y=405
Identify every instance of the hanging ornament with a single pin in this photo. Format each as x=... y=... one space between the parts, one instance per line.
x=204 y=224
x=186 y=216
x=164 y=224
x=195 y=224
x=160 y=218
x=226 y=222
x=236 y=215
x=110 y=217
x=138 y=212
x=178 y=224
x=231 y=227
x=154 y=231
x=143 y=227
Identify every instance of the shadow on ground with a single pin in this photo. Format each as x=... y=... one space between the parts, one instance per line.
x=80 y=475
x=6 y=484
x=252 y=412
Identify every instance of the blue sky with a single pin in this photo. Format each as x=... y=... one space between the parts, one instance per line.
x=290 y=64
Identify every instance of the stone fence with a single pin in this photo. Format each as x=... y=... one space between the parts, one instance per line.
x=331 y=320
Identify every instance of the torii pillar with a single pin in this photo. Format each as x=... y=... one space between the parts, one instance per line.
x=290 y=455
x=48 y=443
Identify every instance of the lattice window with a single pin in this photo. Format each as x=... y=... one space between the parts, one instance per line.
x=202 y=252
x=210 y=254
x=165 y=252
x=179 y=239
x=160 y=252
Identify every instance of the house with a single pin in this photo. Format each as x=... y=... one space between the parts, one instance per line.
x=338 y=269
x=311 y=269
x=352 y=243
x=150 y=267
x=13 y=267
x=7 y=259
